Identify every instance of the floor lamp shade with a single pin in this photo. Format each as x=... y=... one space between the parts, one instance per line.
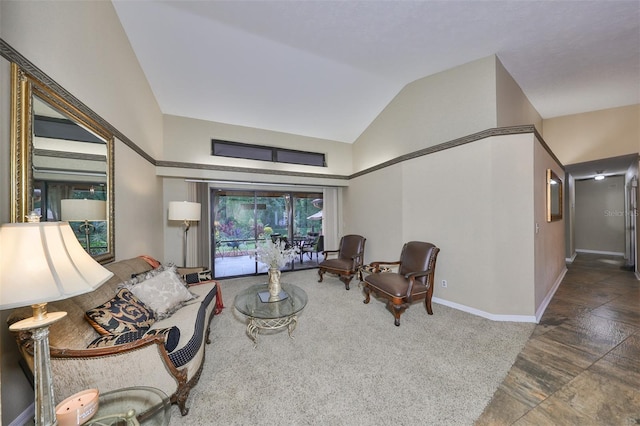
x=80 y=210
x=187 y=212
x=43 y=262
x=184 y=210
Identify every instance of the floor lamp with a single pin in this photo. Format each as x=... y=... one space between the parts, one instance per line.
x=40 y=263
x=83 y=210
x=186 y=212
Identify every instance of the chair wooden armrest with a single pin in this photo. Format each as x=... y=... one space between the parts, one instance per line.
x=412 y=276
x=418 y=274
x=325 y=252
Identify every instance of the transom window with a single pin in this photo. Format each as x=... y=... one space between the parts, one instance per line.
x=266 y=153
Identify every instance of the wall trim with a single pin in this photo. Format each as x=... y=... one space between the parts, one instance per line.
x=200 y=166
x=547 y=299
x=487 y=315
x=610 y=253
x=572 y=258
x=496 y=131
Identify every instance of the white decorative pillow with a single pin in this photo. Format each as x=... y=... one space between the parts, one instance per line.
x=163 y=293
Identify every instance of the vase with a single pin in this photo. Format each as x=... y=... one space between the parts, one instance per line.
x=274 y=284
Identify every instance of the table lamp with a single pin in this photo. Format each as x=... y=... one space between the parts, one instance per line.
x=40 y=263
x=83 y=210
x=186 y=212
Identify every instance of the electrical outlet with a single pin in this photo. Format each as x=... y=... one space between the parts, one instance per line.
x=444 y=283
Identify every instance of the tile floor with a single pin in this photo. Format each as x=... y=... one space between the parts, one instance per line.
x=581 y=365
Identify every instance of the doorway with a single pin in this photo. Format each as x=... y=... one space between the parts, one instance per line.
x=242 y=219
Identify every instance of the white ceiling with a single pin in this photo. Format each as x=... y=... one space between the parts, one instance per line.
x=327 y=68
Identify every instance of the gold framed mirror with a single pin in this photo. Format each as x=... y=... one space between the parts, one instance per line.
x=61 y=164
x=554 y=197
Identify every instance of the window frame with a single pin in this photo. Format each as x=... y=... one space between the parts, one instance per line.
x=274 y=151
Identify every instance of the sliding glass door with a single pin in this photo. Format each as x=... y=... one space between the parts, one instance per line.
x=243 y=219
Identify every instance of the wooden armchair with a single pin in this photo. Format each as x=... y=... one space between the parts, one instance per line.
x=350 y=257
x=413 y=280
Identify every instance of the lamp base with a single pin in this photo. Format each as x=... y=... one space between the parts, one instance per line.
x=42 y=381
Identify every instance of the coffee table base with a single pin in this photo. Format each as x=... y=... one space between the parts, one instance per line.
x=256 y=324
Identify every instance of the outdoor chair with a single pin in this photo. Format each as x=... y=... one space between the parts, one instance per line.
x=413 y=280
x=349 y=259
x=315 y=246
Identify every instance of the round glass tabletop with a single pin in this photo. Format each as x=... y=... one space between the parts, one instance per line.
x=250 y=303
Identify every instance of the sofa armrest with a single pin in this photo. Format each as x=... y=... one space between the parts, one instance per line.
x=109 y=350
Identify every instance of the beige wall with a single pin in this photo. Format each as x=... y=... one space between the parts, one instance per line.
x=373 y=208
x=138 y=206
x=189 y=140
x=81 y=45
x=455 y=199
x=594 y=135
x=513 y=106
x=549 y=244
x=432 y=110
x=600 y=215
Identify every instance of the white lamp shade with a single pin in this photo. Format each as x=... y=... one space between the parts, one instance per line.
x=43 y=262
x=184 y=210
x=75 y=209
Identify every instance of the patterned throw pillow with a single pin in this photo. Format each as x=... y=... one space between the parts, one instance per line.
x=125 y=312
x=171 y=338
x=163 y=293
x=198 y=277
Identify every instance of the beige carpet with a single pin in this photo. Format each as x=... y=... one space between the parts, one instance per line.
x=349 y=364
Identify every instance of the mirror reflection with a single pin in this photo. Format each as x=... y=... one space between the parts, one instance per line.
x=70 y=176
x=62 y=165
x=554 y=196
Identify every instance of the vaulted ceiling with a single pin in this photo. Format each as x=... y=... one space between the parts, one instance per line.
x=327 y=68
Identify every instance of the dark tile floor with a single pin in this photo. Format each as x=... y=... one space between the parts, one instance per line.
x=581 y=365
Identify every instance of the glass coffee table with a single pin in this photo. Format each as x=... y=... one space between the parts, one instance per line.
x=133 y=406
x=270 y=315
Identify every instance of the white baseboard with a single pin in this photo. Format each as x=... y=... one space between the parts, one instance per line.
x=26 y=416
x=511 y=318
x=487 y=315
x=549 y=296
x=610 y=253
x=572 y=258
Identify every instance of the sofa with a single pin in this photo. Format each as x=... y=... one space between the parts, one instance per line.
x=93 y=347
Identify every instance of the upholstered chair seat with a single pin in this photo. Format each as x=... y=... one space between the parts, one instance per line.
x=395 y=285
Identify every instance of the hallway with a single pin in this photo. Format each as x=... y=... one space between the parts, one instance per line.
x=582 y=362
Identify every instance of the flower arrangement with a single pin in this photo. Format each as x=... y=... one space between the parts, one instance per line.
x=275 y=254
